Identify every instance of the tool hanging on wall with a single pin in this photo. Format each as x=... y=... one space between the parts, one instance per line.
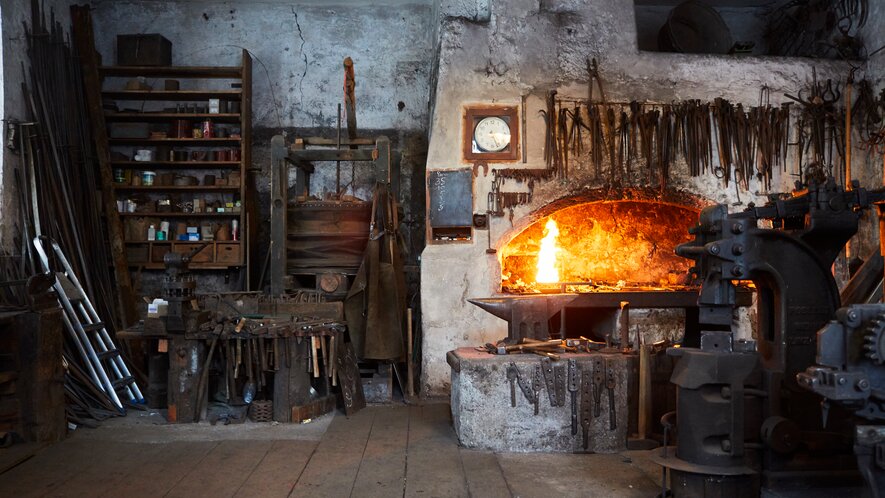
x=818 y=124
x=498 y=200
x=551 y=152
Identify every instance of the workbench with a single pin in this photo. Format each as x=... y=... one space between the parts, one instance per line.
x=293 y=357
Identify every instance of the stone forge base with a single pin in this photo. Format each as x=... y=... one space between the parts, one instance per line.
x=484 y=418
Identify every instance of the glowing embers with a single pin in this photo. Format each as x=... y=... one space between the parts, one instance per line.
x=547 y=268
x=611 y=244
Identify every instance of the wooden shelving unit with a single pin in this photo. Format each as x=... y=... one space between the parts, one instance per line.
x=199 y=84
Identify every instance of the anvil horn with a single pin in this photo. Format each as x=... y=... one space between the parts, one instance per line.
x=500 y=307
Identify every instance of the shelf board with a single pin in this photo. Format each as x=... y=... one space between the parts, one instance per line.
x=226 y=72
x=192 y=266
x=167 y=116
x=172 y=95
x=177 y=164
x=182 y=215
x=178 y=141
x=163 y=242
x=178 y=188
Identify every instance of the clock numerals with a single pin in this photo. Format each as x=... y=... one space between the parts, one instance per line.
x=492 y=134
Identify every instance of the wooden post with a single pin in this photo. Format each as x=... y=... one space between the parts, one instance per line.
x=85 y=43
x=40 y=383
x=186 y=359
x=645 y=405
x=291 y=381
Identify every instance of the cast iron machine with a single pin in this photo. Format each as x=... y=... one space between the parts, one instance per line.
x=763 y=426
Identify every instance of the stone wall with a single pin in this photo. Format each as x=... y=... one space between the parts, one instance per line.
x=528 y=47
x=12 y=107
x=298 y=49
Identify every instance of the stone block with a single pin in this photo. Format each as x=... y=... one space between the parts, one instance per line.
x=484 y=418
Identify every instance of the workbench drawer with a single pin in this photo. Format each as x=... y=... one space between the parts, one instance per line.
x=158 y=251
x=204 y=256
x=137 y=253
x=228 y=253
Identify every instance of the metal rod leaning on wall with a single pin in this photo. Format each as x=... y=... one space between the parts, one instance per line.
x=278 y=205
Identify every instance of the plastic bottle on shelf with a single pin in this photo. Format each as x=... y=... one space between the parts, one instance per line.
x=235 y=230
x=152 y=233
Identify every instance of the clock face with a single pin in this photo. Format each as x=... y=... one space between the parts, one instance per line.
x=491 y=134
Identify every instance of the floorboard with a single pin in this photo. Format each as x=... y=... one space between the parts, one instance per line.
x=483 y=474
x=334 y=465
x=382 y=472
x=162 y=469
x=433 y=466
x=47 y=470
x=110 y=462
x=277 y=473
x=382 y=451
x=223 y=470
x=561 y=474
x=16 y=454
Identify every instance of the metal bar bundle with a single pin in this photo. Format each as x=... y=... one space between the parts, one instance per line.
x=58 y=172
x=58 y=197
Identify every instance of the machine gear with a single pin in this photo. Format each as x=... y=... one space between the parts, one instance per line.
x=874 y=339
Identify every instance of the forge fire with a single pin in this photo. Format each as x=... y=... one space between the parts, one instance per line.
x=607 y=244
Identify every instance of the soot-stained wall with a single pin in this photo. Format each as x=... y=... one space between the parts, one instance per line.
x=13 y=109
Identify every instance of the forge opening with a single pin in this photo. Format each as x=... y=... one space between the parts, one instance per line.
x=609 y=244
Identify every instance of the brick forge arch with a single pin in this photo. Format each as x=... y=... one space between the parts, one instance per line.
x=611 y=237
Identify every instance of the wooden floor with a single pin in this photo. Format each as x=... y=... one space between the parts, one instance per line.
x=382 y=451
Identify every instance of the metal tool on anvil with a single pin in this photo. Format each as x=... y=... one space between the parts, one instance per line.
x=586 y=404
x=610 y=387
x=512 y=376
x=525 y=385
x=536 y=386
x=541 y=348
x=598 y=382
x=549 y=381
x=573 y=392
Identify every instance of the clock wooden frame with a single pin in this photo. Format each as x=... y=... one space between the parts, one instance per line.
x=473 y=114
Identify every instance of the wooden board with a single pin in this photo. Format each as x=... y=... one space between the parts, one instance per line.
x=291 y=381
x=279 y=470
x=349 y=380
x=223 y=471
x=383 y=471
x=483 y=474
x=334 y=466
x=172 y=461
x=186 y=360
x=434 y=461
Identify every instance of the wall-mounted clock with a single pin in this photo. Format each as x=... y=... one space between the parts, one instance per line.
x=490 y=133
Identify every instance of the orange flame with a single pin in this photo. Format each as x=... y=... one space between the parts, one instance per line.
x=547 y=271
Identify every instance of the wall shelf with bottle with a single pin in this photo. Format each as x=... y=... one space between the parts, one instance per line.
x=180 y=146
